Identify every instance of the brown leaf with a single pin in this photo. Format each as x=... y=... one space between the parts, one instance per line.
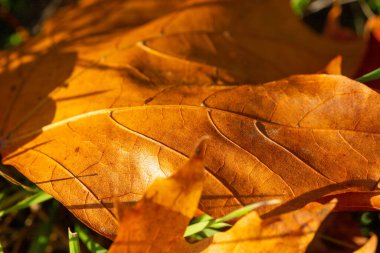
x=340 y=232
x=56 y=126
x=307 y=117
x=205 y=42
x=290 y=232
x=334 y=67
x=157 y=223
x=91 y=17
x=370 y=246
x=299 y=139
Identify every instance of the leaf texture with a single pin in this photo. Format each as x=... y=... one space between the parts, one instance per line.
x=200 y=43
x=290 y=232
x=158 y=221
x=64 y=122
x=299 y=139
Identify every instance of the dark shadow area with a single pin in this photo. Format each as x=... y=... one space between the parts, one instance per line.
x=314 y=195
x=26 y=105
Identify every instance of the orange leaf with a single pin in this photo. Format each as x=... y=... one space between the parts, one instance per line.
x=51 y=79
x=92 y=17
x=158 y=221
x=370 y=246
x=299 y=139
x=334 y=67
x=290 y=232
x=333 y=28
x=60 y=128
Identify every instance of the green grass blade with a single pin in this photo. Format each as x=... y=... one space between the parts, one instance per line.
x=12 y=197
x=220 y=225
x=1 y=248
x=208 y=232
x=203 y=223
x=37 y=198
x=373 y=75
x=196 y=228
x=3 y=195
x=244 y=210
x=90 y=244
x=74 y=242
x=203 y=217
x=299 y=5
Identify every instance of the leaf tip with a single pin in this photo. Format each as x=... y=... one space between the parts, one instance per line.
x=200 y=148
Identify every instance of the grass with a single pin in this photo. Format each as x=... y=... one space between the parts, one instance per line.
x=88 y=241
x=35 y=199
x=74 y=246
x=206 y=226
x=371 y=76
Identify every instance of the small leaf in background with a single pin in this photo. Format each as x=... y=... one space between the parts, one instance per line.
x=37 y=198
x=290 y=232
x=371 y=58
x=366 y=218
x=370 y=246
x=74 y=246
x=86 y=239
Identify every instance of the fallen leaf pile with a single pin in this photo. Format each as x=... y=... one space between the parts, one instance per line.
x=93 y=111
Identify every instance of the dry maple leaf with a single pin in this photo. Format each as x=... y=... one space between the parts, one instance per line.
x=56 y=126
x=157 y=223
x=50 y=79
x=299 y=139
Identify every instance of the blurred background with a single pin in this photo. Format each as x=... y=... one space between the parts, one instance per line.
x=22 y=18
